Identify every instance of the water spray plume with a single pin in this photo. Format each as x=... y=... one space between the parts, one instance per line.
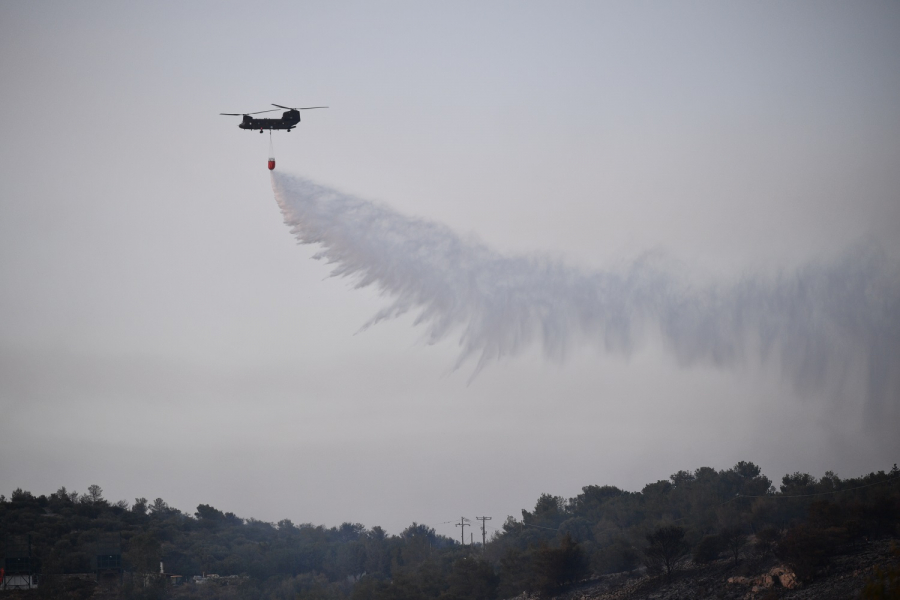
x=833 y=328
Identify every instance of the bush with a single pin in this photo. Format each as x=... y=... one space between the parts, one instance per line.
x=616 y=558
x=667 y=547
x=805 y=549
x=766 y=542
x=471 y=579
x=560 y=566
x=707 y=549
x=734 y=539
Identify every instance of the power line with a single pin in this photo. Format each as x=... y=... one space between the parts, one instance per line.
x=436 y=524
x=463 y=522
x=484 y=521
x=783 y=495
x=538 y=526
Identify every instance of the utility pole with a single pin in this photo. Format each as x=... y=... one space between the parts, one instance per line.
x=463 y=522
x=484 y=521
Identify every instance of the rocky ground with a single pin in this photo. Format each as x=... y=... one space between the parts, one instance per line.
x=752 y=579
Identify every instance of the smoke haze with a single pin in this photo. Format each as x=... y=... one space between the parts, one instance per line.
x=832 y=327
x=161 y=332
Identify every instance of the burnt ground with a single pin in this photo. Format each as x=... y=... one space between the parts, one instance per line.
x=844 y=576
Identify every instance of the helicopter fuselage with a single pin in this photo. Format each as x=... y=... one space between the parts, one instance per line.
x=288 y=120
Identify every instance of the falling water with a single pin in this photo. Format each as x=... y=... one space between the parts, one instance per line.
x=832 y=327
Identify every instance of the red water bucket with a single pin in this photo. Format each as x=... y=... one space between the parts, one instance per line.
x=271 y=164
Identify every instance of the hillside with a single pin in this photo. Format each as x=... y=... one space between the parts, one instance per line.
x=853 y=567
x=701 y=533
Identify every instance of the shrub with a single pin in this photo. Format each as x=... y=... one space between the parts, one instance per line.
x=707 y=549
x=667 y=547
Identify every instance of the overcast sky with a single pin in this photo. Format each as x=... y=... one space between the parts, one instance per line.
x=163 y=335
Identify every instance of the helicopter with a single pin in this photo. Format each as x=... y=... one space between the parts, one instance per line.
x=287 y=121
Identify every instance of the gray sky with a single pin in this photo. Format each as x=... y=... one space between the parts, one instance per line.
x=161 y=333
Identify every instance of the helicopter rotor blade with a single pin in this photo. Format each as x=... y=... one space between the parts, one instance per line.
x=245 y=114
x=292 y=108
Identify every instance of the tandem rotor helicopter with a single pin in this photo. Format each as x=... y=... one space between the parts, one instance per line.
x=288 y=120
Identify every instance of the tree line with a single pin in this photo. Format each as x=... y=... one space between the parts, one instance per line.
x=701 y=516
